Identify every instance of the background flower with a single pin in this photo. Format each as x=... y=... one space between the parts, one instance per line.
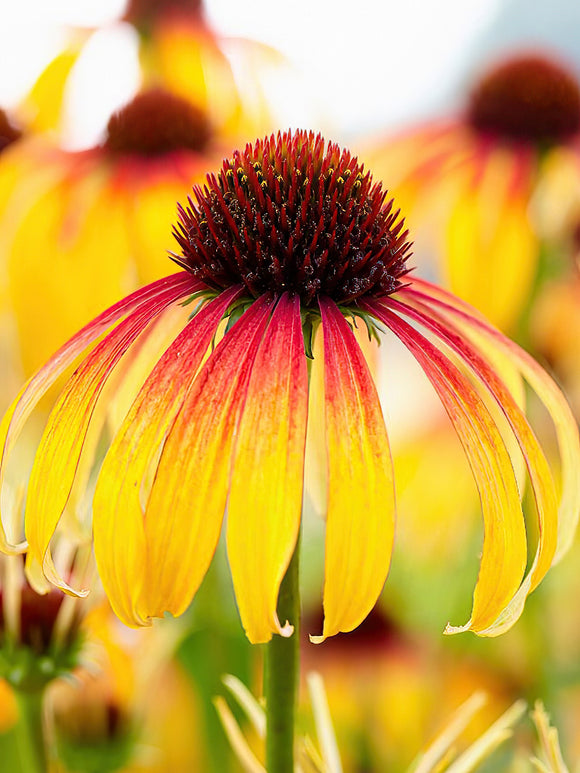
x=469 y=179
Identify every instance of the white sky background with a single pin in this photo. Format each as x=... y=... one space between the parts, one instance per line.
x=366 y=64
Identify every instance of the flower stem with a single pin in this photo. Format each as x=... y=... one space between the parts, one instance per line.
x=281 y=676
x=30 y=731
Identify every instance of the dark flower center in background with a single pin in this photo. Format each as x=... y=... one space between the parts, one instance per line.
x=37 y=618
x=144 y=13
x=376 y=636
x=157 y=122
x=294 y=213
x=528 y=98
x=8 y=132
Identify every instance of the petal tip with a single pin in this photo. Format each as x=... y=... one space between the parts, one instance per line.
x=285 y=630
x=450 y=630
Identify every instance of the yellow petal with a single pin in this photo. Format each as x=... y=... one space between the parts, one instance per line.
x=43 y=107
x=361 y=501
x=266 y=491
x=556 y=529
x=119 y=532
x=186 y=506
x=60 y=274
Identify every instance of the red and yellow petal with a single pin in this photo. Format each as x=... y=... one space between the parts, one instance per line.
x=265 y=503
x=184 y=513
x=60 y=448
x=37 y=386
x=503 y=559
x=541 y=480
x=361 y=500
x=118 y=527
x=556 y=524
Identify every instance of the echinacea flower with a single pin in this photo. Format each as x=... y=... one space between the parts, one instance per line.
x=289 y=242
x=81 y=229
x=469 y=179
x=178 y=50
x=102 y=715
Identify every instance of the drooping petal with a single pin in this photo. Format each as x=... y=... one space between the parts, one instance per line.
x=361 y=501
x=541 y=480
x=503 y=559
x=37 y=386
x=265 y=501
x=61 y=445
x=468 y=324
x=118 y=527
x=186 y=506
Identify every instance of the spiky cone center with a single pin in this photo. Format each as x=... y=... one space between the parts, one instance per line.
x=527 y=98
x=143 y=14
x=156 y=122
x=294 y=213
x=8 y=132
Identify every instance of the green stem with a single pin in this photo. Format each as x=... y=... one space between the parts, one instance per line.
x=281 y=676
x=30 y=732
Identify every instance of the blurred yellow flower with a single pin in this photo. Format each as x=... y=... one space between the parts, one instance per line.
x=468 y=180
x=80 y=229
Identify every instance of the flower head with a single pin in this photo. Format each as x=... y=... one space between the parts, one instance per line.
x=156 y=122
x=526 y=98
x=39 y=634
x=468 y=180
x=101 y=212
x=221 y=418
x=294 y=215
x=143 y=13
